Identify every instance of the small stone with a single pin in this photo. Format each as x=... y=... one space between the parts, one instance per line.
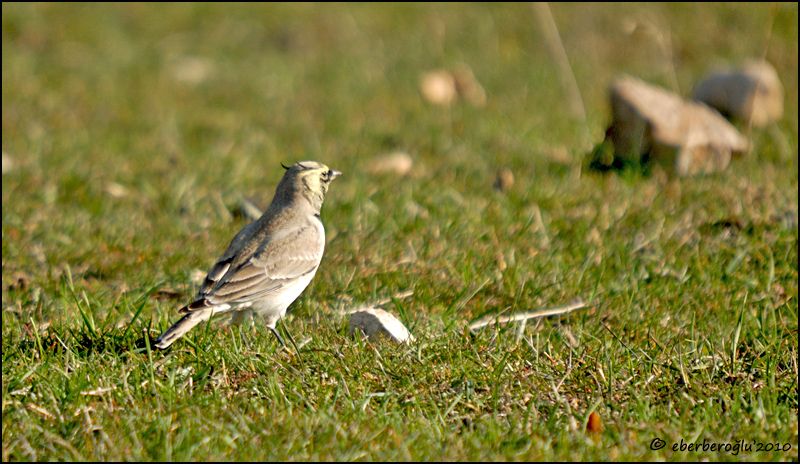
x=468 y=86
x=398 y=162
x=8 y=163
x=116 y=190
x=439 y=87
x=374 y=322
x=191 y=70
x=751 y=94
x=504 y=180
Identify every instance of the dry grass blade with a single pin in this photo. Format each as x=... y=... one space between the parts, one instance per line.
x=97 y=392
x=489 y=320
x=559 y=54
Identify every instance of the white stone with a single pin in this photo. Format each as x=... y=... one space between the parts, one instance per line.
x=438 y=87
x=374 y=322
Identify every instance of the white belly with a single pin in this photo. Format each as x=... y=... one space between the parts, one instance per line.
x=276 y=307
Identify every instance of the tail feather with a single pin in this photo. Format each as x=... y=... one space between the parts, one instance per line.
x=185 y=324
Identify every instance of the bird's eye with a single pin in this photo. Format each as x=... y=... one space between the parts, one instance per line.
x=326 y=175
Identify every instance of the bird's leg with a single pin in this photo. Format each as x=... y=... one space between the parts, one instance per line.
x=291 y=339
x=278 y=336
x=280 y=339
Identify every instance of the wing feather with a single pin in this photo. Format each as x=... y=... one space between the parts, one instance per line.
x=280 y=260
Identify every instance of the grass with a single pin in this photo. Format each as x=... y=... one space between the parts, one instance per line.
x=130 y=133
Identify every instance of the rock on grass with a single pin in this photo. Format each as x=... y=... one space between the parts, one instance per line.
x=752 y=94
x=684 y=137
x=398 y=163
x=375 y=322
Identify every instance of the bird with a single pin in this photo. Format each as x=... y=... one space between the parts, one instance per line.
x=268 y=263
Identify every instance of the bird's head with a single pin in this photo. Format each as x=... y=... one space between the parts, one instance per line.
x=309 y=179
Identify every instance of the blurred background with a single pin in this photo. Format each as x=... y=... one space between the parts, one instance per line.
x=240 y=87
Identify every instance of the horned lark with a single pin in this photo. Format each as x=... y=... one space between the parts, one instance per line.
x=268 y=263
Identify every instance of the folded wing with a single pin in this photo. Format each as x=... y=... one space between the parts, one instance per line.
x=277 y=262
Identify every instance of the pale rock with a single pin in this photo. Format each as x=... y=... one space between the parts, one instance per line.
x=504 y=180
x=398 y=162
x=8 y=163
x=684 y=137
x=191 y=70
x=438 y=87
x=116 y=190
x=374 y=322
x=444 y=87
x=468 y=86
x=751 y=94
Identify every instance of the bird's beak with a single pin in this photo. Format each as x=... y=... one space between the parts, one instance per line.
x=335 y=174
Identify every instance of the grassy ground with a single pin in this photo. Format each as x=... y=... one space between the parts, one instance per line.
x=131 y=132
